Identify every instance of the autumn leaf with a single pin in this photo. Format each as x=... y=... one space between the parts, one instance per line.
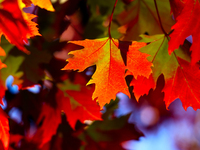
x=2 y=53
x=142 y=85
x=46 y=4
x=109 y=109
x=100 y=18
x=26 y=69
x=73 y=100
x=13 y=25
x=20 y=24
x=26 y=2
x=76 y=101
x=32 y=69
x=32 y=25
x=12 y=63
x=109 y=75
x=155 y=99
x=38 y=107
x=4 y=129
x=28 y=17
x=178 y=73
x=163 y=63
x=140 y=68
x=50 y=118
x=137 y=62
x=78 y=105
x=2 y=65
x=2 y=91
x=186 y=25
x=177 y=6
x=65 y=137
x=141 y=17
x=109 y=134
x=11 y=69
x=184 y=85
x=110 y=72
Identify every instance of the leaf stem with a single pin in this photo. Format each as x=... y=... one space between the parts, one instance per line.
x=111 y=19
x=159 y=19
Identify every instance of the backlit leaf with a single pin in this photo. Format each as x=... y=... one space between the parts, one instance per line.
x=110 y=72
x=185 y=84
x=4 y=129
x=187 y=24
x=141 y=17
x=46 y=4
x=13 y=25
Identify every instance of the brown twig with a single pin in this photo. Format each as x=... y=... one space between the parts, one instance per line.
x=159 y=19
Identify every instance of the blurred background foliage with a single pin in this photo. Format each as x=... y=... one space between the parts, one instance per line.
x=125 y=124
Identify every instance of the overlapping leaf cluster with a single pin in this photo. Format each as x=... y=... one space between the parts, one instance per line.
x=148 y=42
x=173 y=64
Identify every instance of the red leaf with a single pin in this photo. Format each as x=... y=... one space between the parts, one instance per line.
x=79 y=106
x=187 y=24
x=185 y=85
x=52 y=118
x=177 y=6
x=12 y=24
x=142 y=85
x=2 y=91
x=4 y=129
x=109 y=134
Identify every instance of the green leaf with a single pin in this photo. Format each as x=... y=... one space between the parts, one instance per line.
x=141 y=17
x=109 y=134
x=100 y=17
x=110 y=108
x=163 y=63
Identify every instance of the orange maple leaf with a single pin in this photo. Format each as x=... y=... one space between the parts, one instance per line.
x=2 y=65
x=32 y=25
x=186 y=25
x=46 y=4
x=137 y=62
x=2 y=53
x=109 y=76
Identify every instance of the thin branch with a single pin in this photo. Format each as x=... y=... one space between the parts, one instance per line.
x=111 y=19
x=159 y=19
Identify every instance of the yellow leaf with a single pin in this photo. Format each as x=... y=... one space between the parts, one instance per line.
x=46 y=4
